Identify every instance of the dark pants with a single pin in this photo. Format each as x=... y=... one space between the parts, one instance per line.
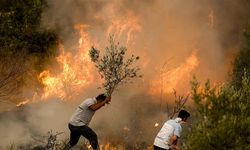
x=88 y=133
x=159 y=148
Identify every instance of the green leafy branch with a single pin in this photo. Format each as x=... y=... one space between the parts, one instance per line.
x=113 y=67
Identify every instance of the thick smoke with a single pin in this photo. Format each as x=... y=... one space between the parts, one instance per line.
x=170 y=30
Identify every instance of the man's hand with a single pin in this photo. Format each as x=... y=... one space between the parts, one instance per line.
x=174 y=147
x=173 y=141
x=108 y=99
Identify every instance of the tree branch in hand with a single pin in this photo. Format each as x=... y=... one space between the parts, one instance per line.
x=113 y=67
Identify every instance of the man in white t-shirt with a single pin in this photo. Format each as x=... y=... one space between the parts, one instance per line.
x=167 y=137
x=79 y=121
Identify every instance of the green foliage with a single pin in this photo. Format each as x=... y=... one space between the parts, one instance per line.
x=113 y=67
x=242 y=61
x=25 y=47
x=21 y=32
x=224 y=117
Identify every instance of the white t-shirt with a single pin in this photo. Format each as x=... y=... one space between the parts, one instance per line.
x=83 y=113
x=170 y=128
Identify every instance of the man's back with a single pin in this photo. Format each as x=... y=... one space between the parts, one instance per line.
x=170 y=128
x=83 y=113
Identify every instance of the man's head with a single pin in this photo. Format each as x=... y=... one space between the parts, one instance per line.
x=183 y=114
x=101 y=97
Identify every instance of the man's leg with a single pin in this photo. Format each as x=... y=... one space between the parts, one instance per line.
x=89 y=134
x=75 y=133
x=74 y=137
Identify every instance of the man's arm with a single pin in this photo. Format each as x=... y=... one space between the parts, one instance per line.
x=174 y=140
x=99 y=104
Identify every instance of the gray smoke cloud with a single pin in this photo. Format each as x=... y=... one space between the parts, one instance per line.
x=170 y=31
x=28 y=124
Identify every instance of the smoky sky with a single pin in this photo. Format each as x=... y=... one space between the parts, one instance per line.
x=169 y=28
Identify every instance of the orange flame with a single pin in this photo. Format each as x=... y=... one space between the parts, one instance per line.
x=107 y=147
x=170 y=79
x=75 y=74
x=76 y=68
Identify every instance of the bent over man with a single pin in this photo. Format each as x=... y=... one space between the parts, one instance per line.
x=79 y=121
x=167 y=137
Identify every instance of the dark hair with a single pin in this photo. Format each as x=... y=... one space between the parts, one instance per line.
x=183 y=114
x=101 y=97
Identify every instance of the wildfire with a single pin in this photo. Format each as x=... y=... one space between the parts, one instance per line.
x=75 y=73
x=107 y=147
x=169 y=79
x=127 y=24
x=76 y=69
